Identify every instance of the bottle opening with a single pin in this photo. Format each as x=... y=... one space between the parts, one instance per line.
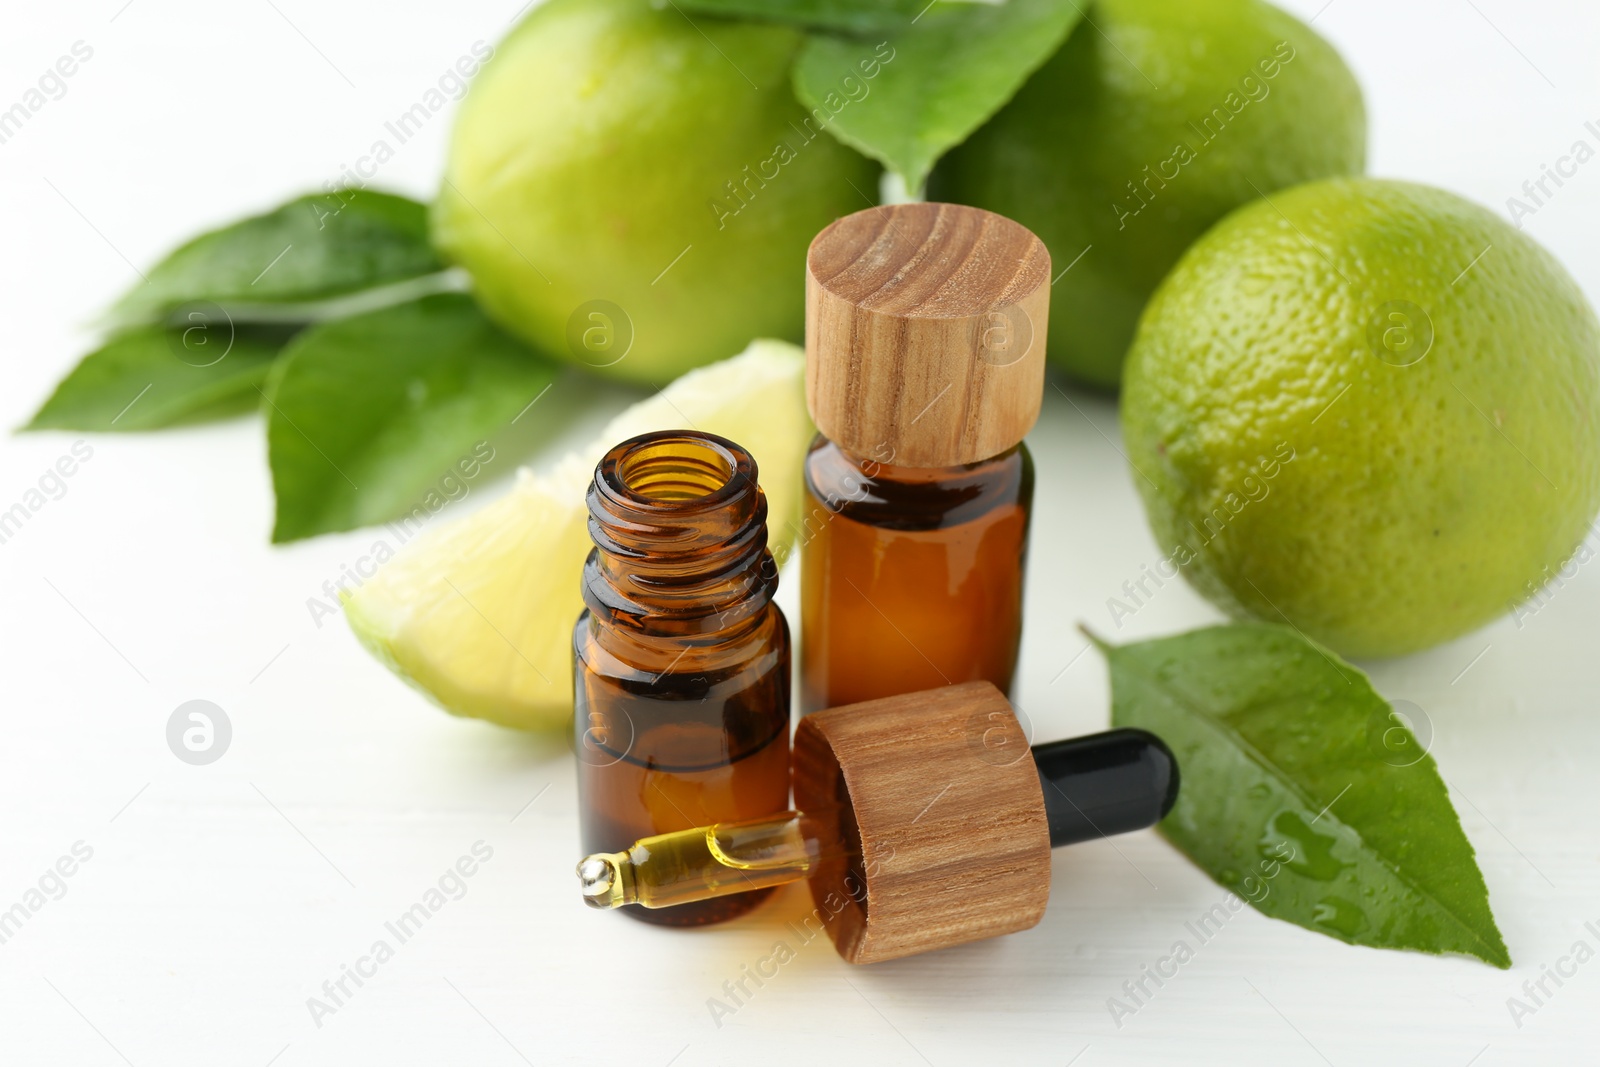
x=675 y=469
x=680 y=530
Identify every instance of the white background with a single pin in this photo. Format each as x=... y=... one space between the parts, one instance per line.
x=220 y=898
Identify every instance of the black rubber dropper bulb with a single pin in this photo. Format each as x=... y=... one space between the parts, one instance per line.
x=1104 y=784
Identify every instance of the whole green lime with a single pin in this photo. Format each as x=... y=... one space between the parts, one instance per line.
x=1155 y=119
x=1367 y=408
x=634 y=190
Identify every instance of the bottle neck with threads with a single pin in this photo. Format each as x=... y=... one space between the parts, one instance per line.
x=680 y=560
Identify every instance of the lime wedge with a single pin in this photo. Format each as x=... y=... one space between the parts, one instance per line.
x=478 y=613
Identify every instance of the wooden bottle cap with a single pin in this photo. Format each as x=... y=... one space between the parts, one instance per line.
x=925 y=333
x=939 y=795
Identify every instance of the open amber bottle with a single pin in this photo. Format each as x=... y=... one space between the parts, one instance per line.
x=681 y=660
x=925 y=328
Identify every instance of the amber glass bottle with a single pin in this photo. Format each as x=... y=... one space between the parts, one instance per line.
x=913 y=575
x=681 y=660
x=925 y=328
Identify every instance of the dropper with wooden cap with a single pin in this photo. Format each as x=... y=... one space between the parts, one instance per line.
x=925 y=821
x=925 y=337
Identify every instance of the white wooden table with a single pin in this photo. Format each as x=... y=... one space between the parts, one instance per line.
x=218 y=899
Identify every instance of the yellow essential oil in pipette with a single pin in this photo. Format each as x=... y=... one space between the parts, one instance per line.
x=705 y=862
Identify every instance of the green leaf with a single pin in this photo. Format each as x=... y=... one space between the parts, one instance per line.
x=312 y=248
x=365 y=414
x=1287 y=754
x=153 y=377
x=938 y=79
x=858 y=16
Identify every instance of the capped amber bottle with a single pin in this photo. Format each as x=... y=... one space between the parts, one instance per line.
x=681 y=660
x=925 y=328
